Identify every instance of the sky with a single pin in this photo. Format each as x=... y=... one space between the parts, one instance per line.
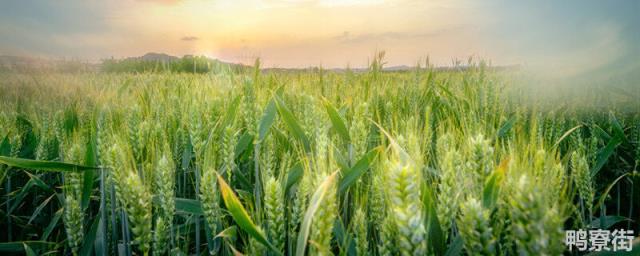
x=572 y=36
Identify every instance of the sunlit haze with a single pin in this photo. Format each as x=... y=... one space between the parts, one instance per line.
x=328 y=33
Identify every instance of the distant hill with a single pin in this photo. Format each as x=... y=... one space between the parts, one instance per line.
x=152 y=56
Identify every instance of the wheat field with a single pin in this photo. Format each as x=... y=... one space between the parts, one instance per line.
x=248 y=162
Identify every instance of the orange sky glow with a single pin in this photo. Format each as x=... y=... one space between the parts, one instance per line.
x=328 y=33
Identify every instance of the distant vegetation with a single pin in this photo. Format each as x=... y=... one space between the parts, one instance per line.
x=21 y=64
x=164 y=63
x=154 y=62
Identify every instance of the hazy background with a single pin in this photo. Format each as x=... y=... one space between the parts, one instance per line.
x=561 y=38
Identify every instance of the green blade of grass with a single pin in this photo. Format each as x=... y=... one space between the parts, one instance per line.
x=240 y=215
x=292 y=124
x=437 y=242
x=17 y=247
x=90 y=237
x=38 y=209
x=184 y=205
x=337 y=121
x=606 y=222
x=90 y=160
x=618 y=131
x=28 y=251
x=268 y=117
x=314 y=204
x=351 y=175
x=455 y=248
x=43 y=165
x=189 y=206
x=604 y=194
x=565 y=135
x=18 y=199
x=506 y=127
x=603 y=154
x=295 y=174
x=5 y=147
x=52 y=224
x=228 y=233
x=39 y=182
x=493 y=185
x=243 y=144
x=231 y=111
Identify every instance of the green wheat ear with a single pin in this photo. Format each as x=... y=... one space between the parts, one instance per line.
x=359 y=223
x=161 y=237
x=377 y=201
x=480 y=162
x=138 y=208
x=404 y=197
x=274 y=202
x=537 y=224
x=73 y=213
x=359 y=129
x=449 y=189
x=228 y=151
x=582 y=178
x=323 y=220
x=210 y=197
x=299 y=204
x=475 y=228
x=164 y=183
x=388 y=236
x=73 y=222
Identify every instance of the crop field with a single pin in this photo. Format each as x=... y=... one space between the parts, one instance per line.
x=465 y=161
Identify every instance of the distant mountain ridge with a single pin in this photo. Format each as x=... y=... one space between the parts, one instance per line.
x=153 y=56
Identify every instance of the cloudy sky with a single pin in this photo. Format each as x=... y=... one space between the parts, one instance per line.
x=286 y=33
